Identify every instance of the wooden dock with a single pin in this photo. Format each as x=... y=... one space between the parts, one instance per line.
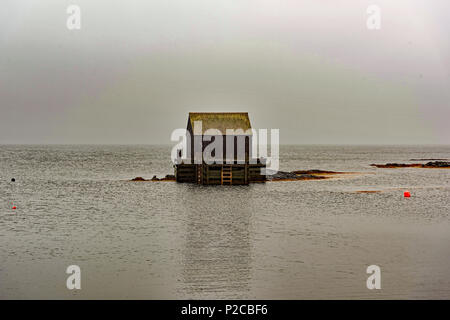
x=219 y=174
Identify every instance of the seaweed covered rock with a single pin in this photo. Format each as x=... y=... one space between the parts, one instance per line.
x=169 y=177
x=290 y=176
x=138 y=179
x=282 y=175
x=437 y=164
x=431 y=164
x=315 y=171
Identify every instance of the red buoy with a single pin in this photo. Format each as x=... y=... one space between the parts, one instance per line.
x=407 y=194
x=14 y=208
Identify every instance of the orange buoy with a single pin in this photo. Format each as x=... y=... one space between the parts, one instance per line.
x=407 y=194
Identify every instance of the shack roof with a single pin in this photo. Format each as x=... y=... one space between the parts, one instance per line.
x=221 y=120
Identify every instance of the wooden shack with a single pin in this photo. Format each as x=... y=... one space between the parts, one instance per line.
x=231 y=162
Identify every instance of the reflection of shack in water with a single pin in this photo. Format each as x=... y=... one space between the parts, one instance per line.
x=216 y=258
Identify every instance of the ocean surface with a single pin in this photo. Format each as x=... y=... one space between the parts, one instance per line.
x=278 y=240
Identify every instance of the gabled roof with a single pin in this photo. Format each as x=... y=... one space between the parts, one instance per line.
x=221 y=120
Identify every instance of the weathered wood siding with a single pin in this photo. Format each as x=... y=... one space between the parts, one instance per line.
x=212 y=174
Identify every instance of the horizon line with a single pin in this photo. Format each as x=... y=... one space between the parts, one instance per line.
x=171 y=144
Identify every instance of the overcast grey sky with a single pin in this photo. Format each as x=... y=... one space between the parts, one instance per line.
x=310 y=68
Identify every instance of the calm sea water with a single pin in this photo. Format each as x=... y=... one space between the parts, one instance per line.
x=292 y=240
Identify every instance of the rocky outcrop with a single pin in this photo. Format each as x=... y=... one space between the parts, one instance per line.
x=431 y=164
x=169 y=177
x=294 y=175
x=138 y=179
x=315 y=171
x=437 y=164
